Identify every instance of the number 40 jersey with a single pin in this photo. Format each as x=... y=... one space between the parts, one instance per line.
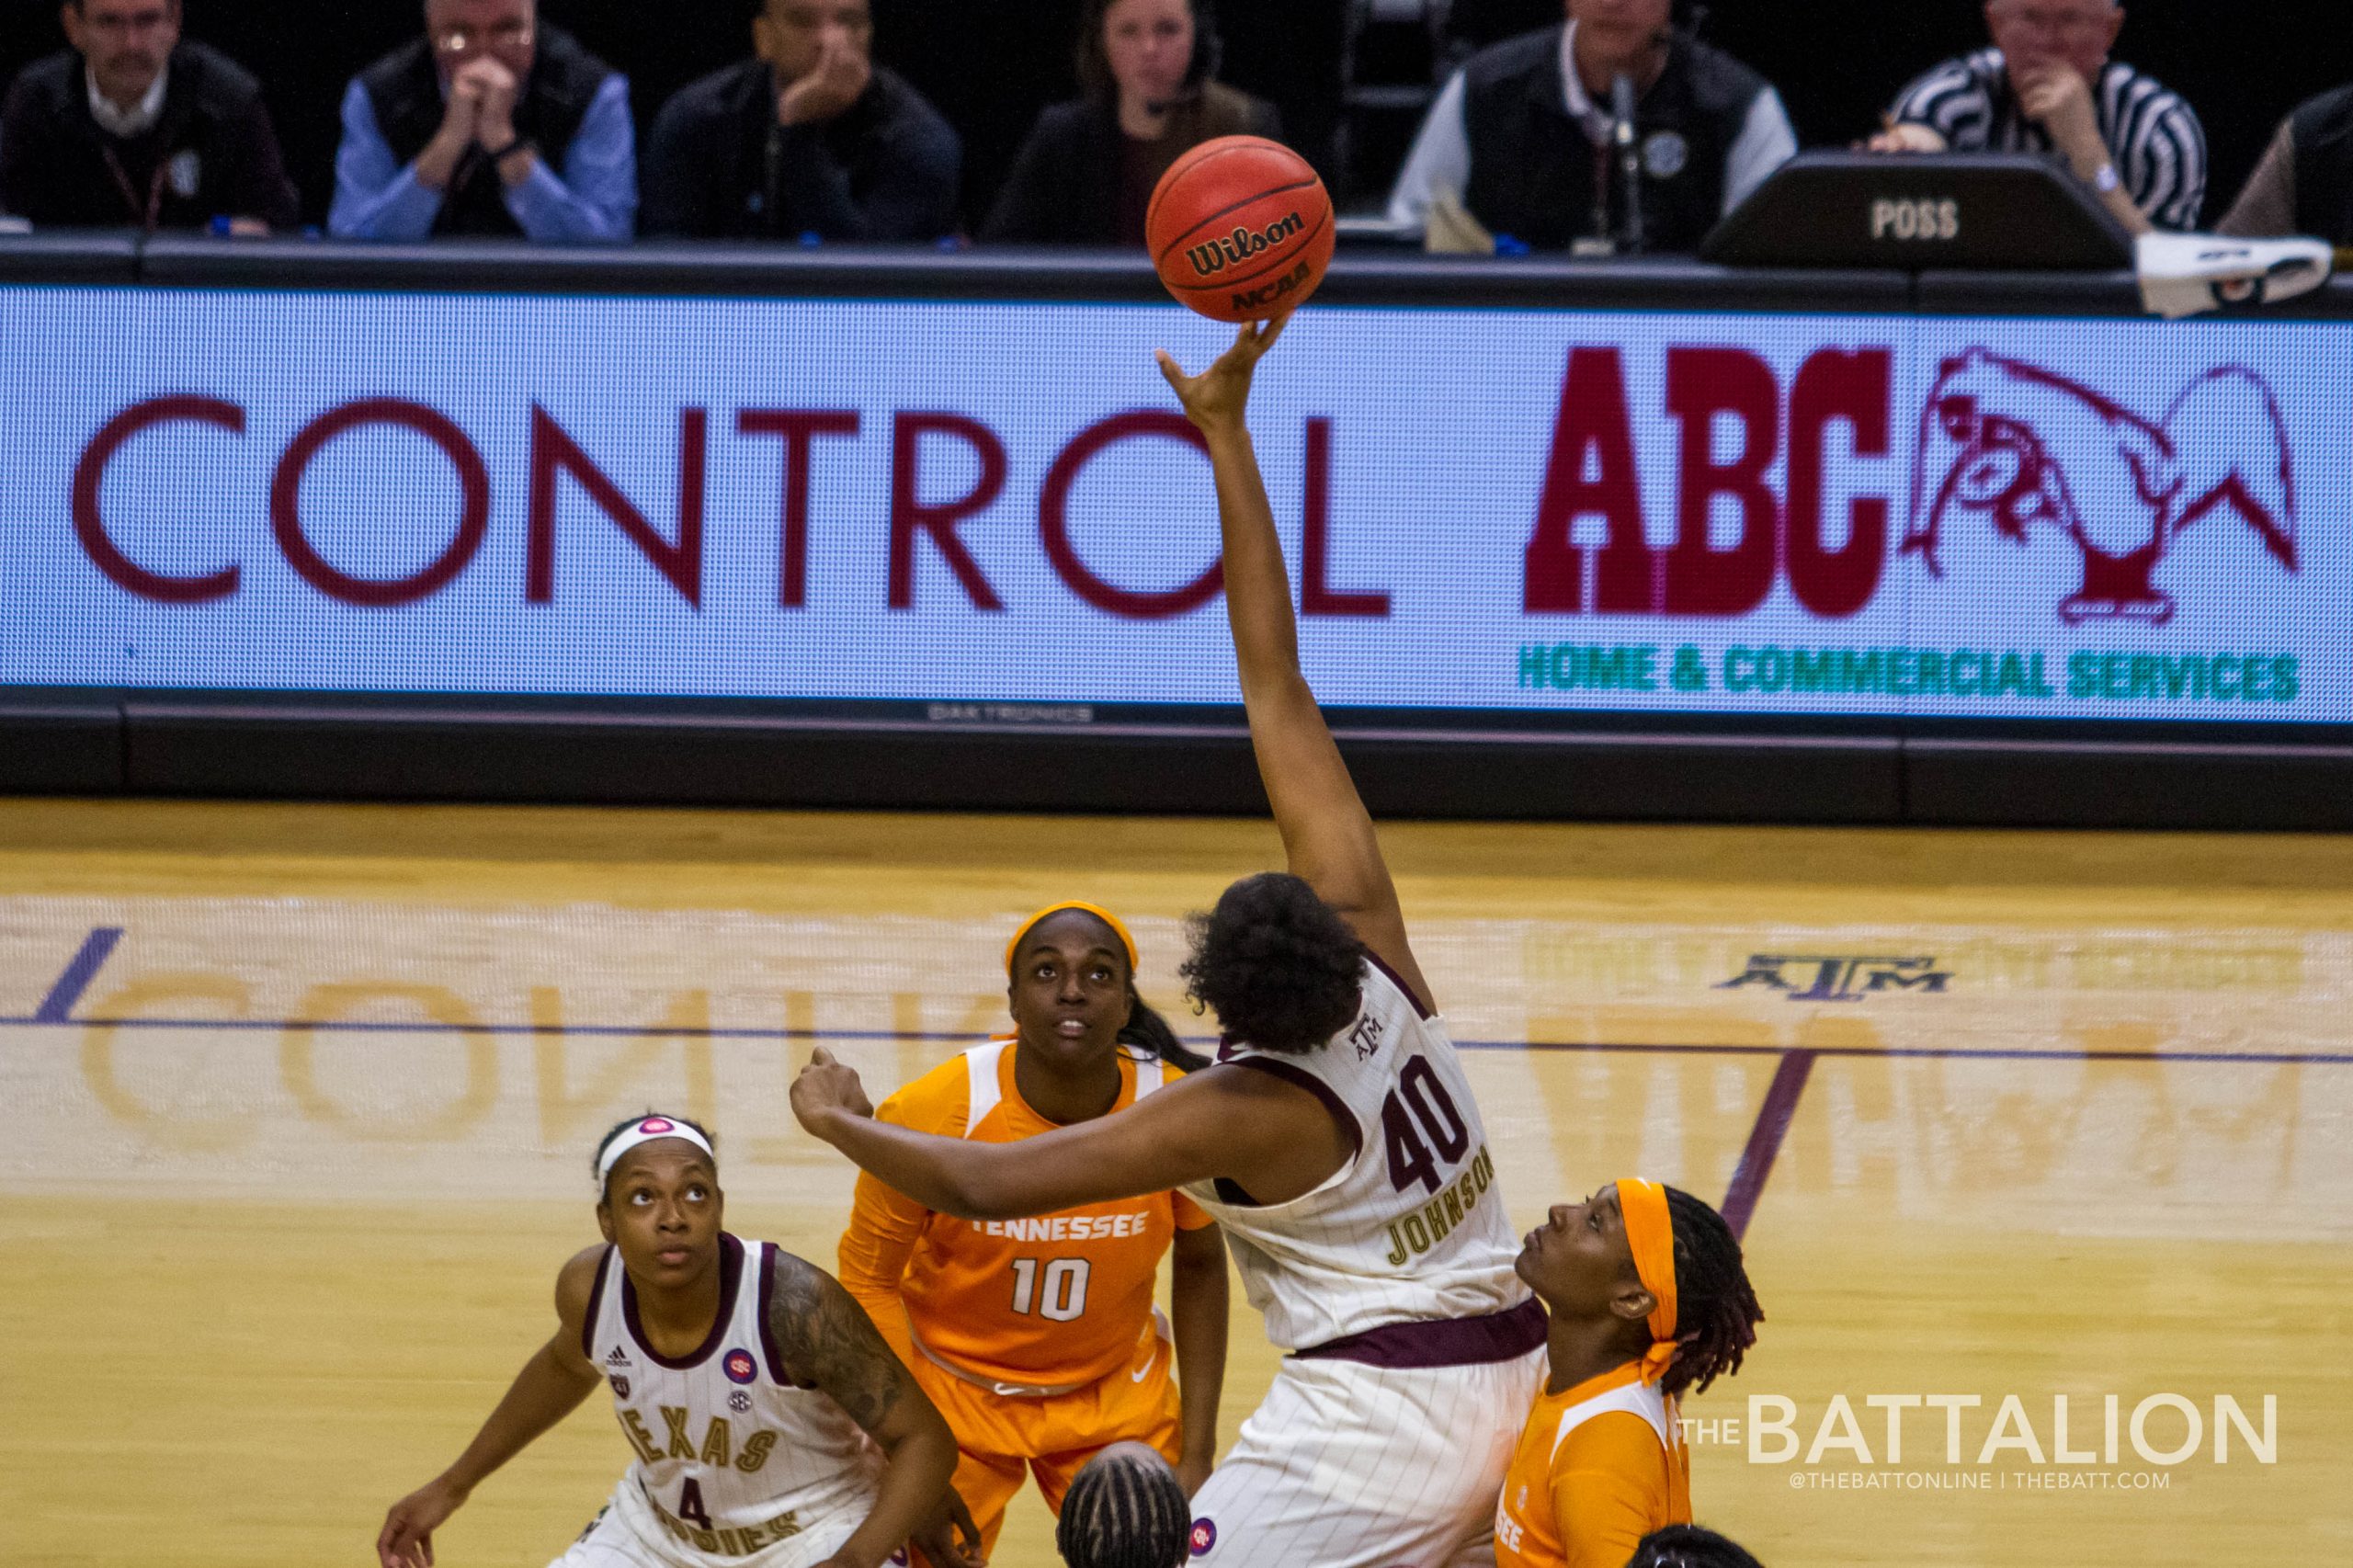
x=1412 y=1228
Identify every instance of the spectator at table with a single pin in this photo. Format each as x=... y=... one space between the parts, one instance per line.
x=1522 y=137
x=1087 y=173
x=2304 y=184
x=808 y=137
x=2047 y=85
x=493 y=123
x=136 y=126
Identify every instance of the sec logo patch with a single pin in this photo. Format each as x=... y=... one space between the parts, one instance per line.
x=1204 y=1536
x=739 y=1367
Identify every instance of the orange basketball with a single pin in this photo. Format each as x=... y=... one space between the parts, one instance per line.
x=1240 y=229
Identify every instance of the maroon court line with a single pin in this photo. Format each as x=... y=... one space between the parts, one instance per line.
x=1765 y=1138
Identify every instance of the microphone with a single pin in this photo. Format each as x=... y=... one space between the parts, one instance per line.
x=1630 y=158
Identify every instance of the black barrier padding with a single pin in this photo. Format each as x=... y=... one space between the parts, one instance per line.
x=63 y=256
x=1012 y=275
x=380 y=752
x=61 y=745
x=1986 y=783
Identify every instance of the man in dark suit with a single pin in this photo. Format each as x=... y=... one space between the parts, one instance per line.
x=135 y=126
x=808 y=137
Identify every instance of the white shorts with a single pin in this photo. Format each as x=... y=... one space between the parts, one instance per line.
x=1348 y=1465
x=627 y=1535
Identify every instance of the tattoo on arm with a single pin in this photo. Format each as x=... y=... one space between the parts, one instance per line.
x=829 y=1343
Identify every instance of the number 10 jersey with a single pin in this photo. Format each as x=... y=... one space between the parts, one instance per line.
x=1412 y=1228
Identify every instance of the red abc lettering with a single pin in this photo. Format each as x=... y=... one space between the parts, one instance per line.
x=1702 y=383
x=1856 y=386
x=1592 y=420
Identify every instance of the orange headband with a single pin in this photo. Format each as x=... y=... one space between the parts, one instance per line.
x=1100 y=912
x=1650 y=1232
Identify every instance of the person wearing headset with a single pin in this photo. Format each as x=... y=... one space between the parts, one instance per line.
x=1085 y=175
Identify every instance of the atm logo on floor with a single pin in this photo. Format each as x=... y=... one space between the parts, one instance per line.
x=1837 y=977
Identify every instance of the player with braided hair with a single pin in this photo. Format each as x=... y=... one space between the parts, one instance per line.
x=1648 y=1298
x=1688 y=1545
x=1126 y=1509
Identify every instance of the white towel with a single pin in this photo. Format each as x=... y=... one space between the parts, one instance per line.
x=2184 y=274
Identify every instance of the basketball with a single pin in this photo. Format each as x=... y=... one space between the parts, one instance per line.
x=1240 y=229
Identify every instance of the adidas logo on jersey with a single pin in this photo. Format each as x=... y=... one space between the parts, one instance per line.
x=617 y=1357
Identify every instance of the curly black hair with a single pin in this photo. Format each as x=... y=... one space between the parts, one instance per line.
x=1716 y=1313
x=618 y=1128
x=1277 y=965
x=1688 y=1545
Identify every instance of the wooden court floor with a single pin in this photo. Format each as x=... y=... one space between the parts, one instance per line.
x=301 y=1100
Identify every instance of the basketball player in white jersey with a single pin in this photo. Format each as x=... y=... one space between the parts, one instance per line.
x=1336 y=1142
x=742 y=1377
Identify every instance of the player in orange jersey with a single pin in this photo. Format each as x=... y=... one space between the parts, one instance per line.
x=1648 y=1297
x=1036 y=1338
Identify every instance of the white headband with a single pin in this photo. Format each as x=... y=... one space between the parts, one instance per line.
x=646 y=1132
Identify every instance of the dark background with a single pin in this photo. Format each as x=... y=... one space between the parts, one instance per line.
x=991 y=64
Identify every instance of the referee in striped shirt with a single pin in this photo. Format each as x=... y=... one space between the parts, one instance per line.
x=2047 y=85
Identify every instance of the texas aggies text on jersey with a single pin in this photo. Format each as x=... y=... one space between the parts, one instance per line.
x=1412 y=1228
x=1055 y=1301
x=731 y=1455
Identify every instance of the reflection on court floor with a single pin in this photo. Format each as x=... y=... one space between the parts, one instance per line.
x=2100 y=1168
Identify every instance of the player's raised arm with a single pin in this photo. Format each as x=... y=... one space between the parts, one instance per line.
x=1244 y=1126
x=827 y=1341
x=549 y=1388
x=1327 y=834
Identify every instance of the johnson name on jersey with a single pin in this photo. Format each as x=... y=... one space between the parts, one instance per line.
x=1412 y=1228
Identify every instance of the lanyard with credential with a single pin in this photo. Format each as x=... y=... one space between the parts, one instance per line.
x=154 y=209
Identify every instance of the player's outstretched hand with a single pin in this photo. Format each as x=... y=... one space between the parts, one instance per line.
x=825 y=1089
x=406 y=1540
x=949 y=1539
x=1215 y=399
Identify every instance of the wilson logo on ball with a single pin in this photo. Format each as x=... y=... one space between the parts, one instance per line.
x=1215 y=255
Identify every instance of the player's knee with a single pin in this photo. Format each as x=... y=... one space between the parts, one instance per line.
x=1124 y=1509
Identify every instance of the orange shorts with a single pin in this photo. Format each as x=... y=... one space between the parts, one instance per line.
x=1000 y=1436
